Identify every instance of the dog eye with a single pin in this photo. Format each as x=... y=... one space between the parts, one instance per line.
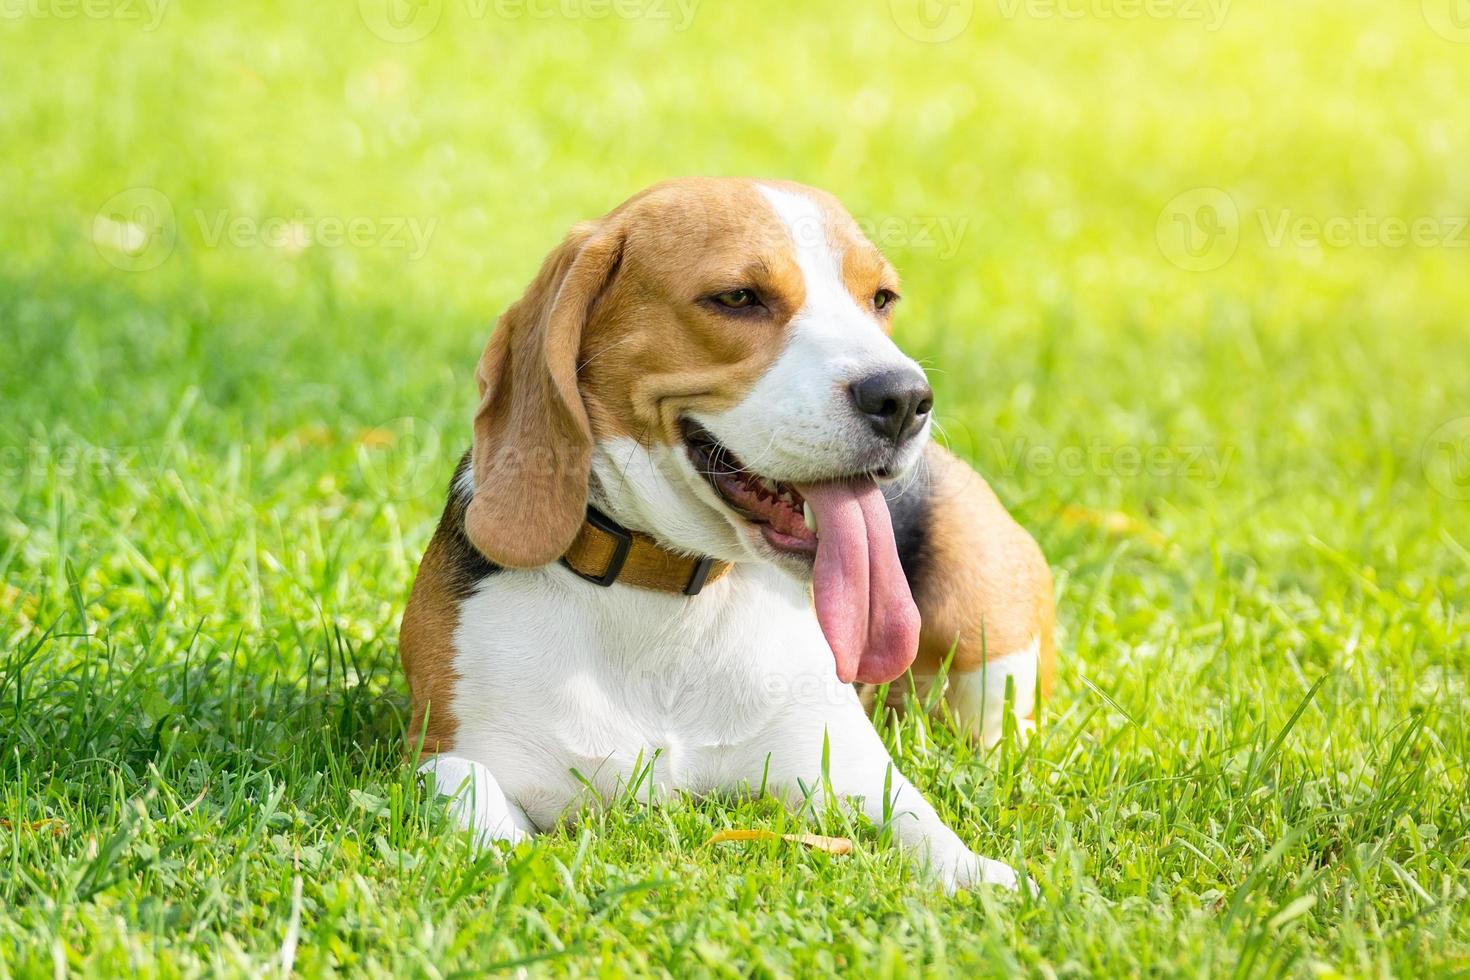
x=738 y=299
x=885 y=298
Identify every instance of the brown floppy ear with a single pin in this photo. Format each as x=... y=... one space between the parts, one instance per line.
x=533 y=443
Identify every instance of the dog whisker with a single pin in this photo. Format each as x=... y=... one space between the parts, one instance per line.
x=610 y=347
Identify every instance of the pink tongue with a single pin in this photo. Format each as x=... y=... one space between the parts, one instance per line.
x=863 y=600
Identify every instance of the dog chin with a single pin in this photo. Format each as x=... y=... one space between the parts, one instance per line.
x=795 y=557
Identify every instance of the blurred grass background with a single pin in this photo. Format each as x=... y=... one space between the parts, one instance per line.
x=225 y=435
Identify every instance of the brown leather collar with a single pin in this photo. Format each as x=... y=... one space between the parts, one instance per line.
x=605 y=553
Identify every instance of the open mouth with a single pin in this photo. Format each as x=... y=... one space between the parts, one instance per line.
x=842 y=526
x=780 y=511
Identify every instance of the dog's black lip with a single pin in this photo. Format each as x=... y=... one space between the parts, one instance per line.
x=700 y=446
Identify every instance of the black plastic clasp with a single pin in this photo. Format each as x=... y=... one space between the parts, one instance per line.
x=700 y=576
x=624 y=538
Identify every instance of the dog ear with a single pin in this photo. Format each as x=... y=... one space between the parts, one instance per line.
x=532 y=451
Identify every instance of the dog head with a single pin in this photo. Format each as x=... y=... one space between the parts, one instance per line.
x=710 y=364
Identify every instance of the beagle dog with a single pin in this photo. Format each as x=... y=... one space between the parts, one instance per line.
x=701 y=508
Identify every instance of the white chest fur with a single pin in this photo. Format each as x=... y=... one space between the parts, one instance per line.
x=570 y=695
x=564 y=685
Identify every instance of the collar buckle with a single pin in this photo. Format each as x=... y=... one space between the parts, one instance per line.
x=624 y=547
x=702 y=568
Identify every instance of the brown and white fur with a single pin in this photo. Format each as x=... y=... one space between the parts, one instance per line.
x=536 y=693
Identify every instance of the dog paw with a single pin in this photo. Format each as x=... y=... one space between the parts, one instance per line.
x=969 y=871
x=998 y=874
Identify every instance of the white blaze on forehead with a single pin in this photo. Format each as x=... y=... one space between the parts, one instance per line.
x=818 y=257
x=831 y=325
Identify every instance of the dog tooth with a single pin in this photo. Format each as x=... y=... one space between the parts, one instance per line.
x=810 y=517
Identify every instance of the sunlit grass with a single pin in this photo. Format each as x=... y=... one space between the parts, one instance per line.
x=231 y=400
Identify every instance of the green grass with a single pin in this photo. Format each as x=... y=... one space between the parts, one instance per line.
x=211 y=504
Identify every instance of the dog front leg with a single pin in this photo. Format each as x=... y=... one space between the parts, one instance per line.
x=921 y=832
x=479 y=804
x=860 y=768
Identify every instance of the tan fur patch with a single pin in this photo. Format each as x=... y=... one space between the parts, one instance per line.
x=986 y=589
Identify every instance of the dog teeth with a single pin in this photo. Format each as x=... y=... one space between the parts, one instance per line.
x=810 y=517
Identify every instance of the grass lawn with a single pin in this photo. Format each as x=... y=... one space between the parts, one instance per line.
x=1192 y=285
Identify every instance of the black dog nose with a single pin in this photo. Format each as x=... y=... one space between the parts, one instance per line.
x=896 y=402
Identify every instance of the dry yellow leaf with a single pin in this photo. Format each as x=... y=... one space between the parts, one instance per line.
x=23 y=604
x=377 y=438
x=831 y=845
x=55 y=827
x=1114 y=522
